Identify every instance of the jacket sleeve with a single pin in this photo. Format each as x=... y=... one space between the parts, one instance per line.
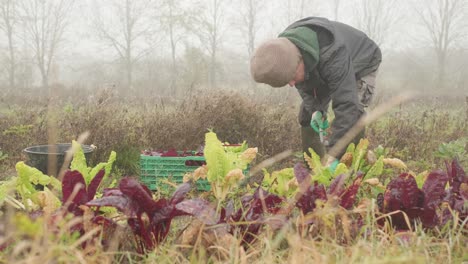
x=308 y=106
x=339 y=74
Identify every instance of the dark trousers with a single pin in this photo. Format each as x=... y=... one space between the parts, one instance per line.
x=311 y=139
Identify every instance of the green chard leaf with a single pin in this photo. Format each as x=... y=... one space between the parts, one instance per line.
x=79 y=160
x=376 y=169
x=28 y=177
x=359 y=154
x=107 y=166
x=79 y=163
x=314 y=161
x=323 y=177
x=350 y=148
x=283 y=177
x=216 y=159
x=6 y=187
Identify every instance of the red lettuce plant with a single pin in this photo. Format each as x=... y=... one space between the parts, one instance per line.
x=76 y=194
x=309 y=192
x=149 y=220
x=245 y=222
x=253 y=209
x=83 y=193
x=426 y=204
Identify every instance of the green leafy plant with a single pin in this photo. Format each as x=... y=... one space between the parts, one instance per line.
x=453 y=149
x=282 y=182
x=225 y=166
x=320 y=173
x=24 y=185
x=79 y=163
x=28 y=177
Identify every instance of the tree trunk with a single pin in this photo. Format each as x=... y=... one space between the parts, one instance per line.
x=12 y=71
x=129 y=70
x=173 y=55
x=441 y=84
x=129 y=43
x=213 y=70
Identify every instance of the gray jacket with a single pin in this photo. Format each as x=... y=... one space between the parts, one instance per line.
x=346 y=55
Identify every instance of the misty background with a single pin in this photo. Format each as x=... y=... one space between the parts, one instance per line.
x=177 y=48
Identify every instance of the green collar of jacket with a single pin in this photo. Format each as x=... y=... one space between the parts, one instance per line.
x=306 y=40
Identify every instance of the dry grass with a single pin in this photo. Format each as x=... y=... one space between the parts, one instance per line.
x=289 y=244
x=130 y=125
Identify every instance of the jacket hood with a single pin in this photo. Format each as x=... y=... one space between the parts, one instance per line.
x=306 y=40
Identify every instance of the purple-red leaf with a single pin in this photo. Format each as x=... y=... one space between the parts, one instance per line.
x=122 y=203
x=337 y=185
x=144 y=237
x=306 y=202
x=402 y=193
x=132 y=188
x=105 y=222
x=456 y=175
x=434 y=189
x=349 y=196
x=302 y=174
x=227 y=212
x=179 y=193
x=72 y=180
x=264 y=200
x=112 y=191
x=199 y=208
x=94 y=184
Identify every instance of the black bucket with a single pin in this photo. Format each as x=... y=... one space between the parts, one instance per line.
x=38 y=156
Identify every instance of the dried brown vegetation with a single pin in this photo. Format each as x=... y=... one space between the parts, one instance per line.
x=131 y=125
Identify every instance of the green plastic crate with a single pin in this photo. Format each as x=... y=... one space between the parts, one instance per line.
x=157 y=171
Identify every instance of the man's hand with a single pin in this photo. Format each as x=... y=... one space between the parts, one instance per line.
x=319 y=124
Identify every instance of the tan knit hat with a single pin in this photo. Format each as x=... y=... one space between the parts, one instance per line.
x=275 y=62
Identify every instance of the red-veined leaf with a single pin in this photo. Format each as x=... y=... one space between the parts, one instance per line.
x=401 y=193
x=349 y=196
x=180 y=192
x=94 y=184
x=199 y=208
x=132 y=188
x=434 y=189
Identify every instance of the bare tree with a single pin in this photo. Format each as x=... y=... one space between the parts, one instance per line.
x=174 y=22
x=376 y=18
x=126 y=27
x=8 y=22
x=45 y=23
x=250 y=22
x=445 y=22
x=208 y=28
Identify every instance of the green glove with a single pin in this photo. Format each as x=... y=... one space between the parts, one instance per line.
x=333 y=166
x=318 y=123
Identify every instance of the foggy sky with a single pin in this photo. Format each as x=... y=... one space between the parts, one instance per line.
x=82 y=46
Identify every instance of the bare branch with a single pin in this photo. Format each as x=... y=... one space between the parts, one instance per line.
x=123 y=28
x=376 y=18
x=45 y=22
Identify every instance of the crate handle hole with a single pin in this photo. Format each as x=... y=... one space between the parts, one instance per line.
x=195 y=163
